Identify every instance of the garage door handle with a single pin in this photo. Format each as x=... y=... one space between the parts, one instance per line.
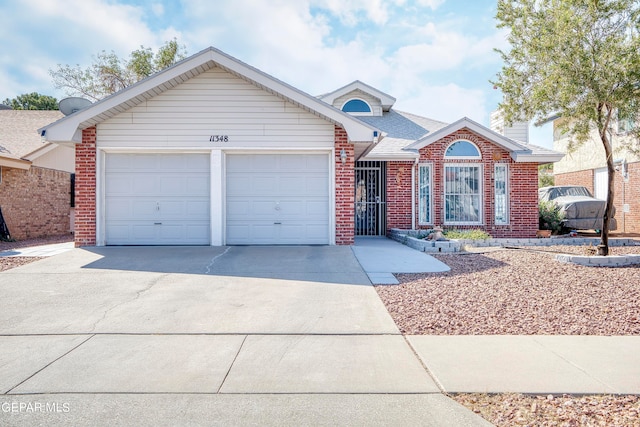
x=277 y=223
x=157 y=223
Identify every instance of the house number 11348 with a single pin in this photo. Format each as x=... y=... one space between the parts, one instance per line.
x=219 y=138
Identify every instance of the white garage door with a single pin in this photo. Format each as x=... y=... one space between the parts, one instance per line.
x=277 y=199
x=157 y=199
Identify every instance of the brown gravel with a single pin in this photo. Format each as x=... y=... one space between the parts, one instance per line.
x=506 y=410
x=525 y=292
x=517 y=292
x=7 y=263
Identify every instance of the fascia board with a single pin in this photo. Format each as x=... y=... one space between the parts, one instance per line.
x=527 y=157
x=15 y=163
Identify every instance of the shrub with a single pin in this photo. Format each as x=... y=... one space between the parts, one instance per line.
x=475 y=234
x=550 y=216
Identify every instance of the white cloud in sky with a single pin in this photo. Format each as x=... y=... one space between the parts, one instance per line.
x=400 y=46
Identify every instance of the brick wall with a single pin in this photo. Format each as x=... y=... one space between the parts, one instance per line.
x=345 y=189
x=399 y=195
x=35 y=202
x=624 y=193
x=523 y=185
x=85 y=211
x=583 y=178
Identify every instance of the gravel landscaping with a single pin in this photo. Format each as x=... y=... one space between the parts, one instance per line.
x=517 y=292
x=506 y=410
x=525 y=291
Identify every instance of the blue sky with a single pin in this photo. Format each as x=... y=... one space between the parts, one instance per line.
x=435 y=57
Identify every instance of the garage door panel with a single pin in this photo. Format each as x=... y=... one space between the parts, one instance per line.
x=277 y=199
x=157 y=199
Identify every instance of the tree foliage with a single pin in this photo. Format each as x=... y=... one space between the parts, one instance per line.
x=579 y=59
x=32 y=101
x=545 y=175
x=109 y=73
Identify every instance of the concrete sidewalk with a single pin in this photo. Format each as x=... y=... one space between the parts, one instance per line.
x=380 y=257
x=39 y=251
x=540 y=364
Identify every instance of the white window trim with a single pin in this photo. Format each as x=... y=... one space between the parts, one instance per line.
x=430 y=219
x=361 y=113
x=506 y=191
x=480 y=192
x=478 y=157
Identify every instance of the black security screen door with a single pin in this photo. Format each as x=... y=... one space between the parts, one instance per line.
x=371 y=198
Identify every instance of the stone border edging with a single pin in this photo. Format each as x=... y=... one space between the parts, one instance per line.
x=405 y=237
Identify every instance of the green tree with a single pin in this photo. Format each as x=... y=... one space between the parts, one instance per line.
x=545 y=175
x=579 y=59
x=32 y=101
x=109 y=73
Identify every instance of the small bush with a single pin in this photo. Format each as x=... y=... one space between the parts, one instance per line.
x=550 y=216
x=475 y=234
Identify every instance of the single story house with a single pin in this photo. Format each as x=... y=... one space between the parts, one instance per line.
x=35 y=176
x=212 y=151
x=586 y=166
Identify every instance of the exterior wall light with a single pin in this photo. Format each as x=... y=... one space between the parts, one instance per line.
x=343 y=156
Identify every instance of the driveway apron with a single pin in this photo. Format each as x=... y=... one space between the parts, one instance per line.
x=249 y=322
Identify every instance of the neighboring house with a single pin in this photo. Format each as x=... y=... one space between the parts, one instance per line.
x=586 y=166
x=212 y=151
x=35 y=178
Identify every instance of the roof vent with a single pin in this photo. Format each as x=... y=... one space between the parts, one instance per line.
x=71 y=105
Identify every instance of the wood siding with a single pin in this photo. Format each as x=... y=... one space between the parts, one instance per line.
x=216 y=103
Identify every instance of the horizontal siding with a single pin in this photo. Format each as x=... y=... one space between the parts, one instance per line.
x=216 y=103
x=374 y=103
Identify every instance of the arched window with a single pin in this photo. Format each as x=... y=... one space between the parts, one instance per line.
x=462 y=150
x=357 y=106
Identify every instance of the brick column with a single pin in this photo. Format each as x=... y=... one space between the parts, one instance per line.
x=345 y=189
x=85 y=213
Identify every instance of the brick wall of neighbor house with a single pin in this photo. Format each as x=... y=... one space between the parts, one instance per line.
x=583 y=178
x=345 y=189
x=625 y=193
x=523 y=185
x=399 y=195
x=35 y=202
x=85 y=211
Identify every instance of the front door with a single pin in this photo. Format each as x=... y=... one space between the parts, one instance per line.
x=370 y=209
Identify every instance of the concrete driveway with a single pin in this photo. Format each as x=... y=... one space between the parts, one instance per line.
x=207 y=335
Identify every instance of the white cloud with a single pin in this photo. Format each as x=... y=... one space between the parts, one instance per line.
x=316 y=45
x=157 y=9
x=433 y=4
x=447 y=103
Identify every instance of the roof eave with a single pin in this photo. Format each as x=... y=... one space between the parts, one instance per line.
x=14 y=163
x=69 y=128
x=528 y=157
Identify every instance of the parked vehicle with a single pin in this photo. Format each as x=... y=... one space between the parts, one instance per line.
x=581 y=210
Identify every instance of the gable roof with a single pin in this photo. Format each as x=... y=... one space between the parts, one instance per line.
x=19 y=141
x=400 y=129
x=386 y=100
x=520 y=152
x=69 y=128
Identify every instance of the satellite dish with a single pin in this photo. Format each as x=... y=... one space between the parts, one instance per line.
x=71 y=105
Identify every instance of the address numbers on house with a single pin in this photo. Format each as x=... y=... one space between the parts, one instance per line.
x=219 y=138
